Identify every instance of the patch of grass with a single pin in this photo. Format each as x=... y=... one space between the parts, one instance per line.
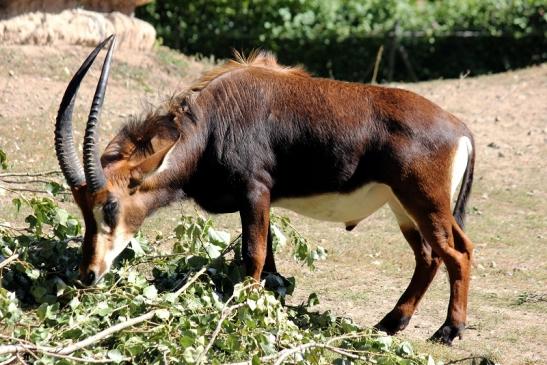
x=528 y=297
x=171 y=58
x=125 y=71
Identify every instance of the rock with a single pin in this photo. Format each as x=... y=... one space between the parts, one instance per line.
x=11 y=8
x=79 y=27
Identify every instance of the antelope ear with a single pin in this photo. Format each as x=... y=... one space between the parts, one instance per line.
x=149 y=165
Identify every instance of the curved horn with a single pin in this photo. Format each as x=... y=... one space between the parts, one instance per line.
x=93 y=170
x=64 y=141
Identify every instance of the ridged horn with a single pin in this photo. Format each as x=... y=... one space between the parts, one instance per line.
x=64 y=141
x=93 y=170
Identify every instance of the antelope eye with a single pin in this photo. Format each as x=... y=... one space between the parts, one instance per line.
x=133 y=183
x=110 y=212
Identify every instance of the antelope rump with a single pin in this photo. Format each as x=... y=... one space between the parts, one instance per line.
x=252 y=134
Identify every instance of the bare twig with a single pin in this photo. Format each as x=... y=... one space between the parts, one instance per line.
x=31 y=174
x=21 y=361
x=281 y=356
x=86 y=360
x=288 y=352
x=106 y=333
x=225 y=313
x=377 y=64
x=231 y=246
x=191 y=281
x=9 y=360
x=16 y=229
x=338 y=350
x=465 y=359
x=5 y=262
x=8 y=181
x=408 y=65
x=14 y=190
x=26 y=348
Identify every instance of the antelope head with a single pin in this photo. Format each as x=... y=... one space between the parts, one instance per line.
x=109 y=190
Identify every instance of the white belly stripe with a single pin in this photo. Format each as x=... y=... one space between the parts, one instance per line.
x=349 y=208
x=353 y=207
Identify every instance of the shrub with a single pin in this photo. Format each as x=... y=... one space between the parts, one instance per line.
x=340 y=38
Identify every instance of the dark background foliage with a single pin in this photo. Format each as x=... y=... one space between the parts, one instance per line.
x=341 y=38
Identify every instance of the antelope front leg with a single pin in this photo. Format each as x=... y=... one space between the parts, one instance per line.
x=255 y=220
x=269 y=266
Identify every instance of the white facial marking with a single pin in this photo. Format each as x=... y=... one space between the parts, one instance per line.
x=120 y=240
x=109 y=244
x=459 y=164
x=166 y=165
x=102 y=227
x=349 y=208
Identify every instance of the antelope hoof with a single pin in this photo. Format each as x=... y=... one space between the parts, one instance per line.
x=392 y=323
x=447 y=333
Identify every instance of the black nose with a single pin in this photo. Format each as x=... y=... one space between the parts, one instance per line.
x=89 y=278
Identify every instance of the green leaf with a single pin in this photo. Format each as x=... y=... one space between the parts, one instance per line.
x=186 y=340
x=405 y=349
x=115 y=355
x=251 y=304
x=255 y=360
x=150 y=292
x=384 y=342
x=279 y=239
x=190 y=354
x=170 y=297
x=212 y=251
x=342 y=361
x=313 y=299
x=3 y=160
x=267 y=343
x=38 y=292
x=103 y=309
x=32 y=273
x=135 y=245
x=54 y=188
x=219 y=238
x=61 y=217
x=17 y=202
x=46 y=311
x=74 y=303
x=162 y=314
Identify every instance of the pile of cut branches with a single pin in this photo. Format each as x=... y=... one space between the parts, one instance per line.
x=192 y=305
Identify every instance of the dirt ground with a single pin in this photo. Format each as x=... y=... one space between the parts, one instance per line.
x=368 y=268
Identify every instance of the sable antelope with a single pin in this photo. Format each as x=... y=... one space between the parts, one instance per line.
x=252 y=134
